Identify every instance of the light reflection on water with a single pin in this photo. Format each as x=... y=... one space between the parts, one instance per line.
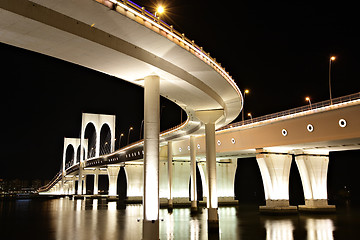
x=98 y=219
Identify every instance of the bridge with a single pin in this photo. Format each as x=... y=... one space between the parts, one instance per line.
x=122 y=39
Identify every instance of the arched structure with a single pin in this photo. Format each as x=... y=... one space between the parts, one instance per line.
x=98 y=120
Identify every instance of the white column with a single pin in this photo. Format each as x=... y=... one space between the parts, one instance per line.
x=193 y=191
x=97 y=144
x=113 y=172
x=80 y=182
x=96 y=182
x=82 y=157
x=151 y=157
x=275 y=171
x=209 y=118
x=84 y=182
x=170 y=173
x=313 y=173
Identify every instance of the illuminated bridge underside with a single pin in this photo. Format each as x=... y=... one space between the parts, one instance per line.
x=87 y=33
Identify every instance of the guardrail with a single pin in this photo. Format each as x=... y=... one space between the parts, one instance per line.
x=343 y=99
x=176 y=36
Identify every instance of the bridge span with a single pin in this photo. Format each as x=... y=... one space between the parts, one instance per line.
x=310 y=134
x=123 y=40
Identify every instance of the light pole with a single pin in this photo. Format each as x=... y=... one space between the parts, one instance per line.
x=308 y=99
x=246 y=91
x=121 y=135
x=332 y=58
x=141 y=127
x=131 y=128
x=249 y=114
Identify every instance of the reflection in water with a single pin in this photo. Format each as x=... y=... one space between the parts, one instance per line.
x=98 y=219
x=279 y=229
x=319 y=229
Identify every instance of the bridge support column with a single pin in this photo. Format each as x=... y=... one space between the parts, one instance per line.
x=193 y=192
x=151 y=202
x=313 y=172
x=80 y=182
x=170 y=174
x=96 y=182
x=209 y=118
x=84 y=186
x=275 y=171
x=113 y=172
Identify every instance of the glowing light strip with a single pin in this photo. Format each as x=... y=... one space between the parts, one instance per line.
x=228 y=78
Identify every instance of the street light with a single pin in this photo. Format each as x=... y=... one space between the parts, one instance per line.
x=332 y=58
x=308 y=99
x=160 y=10
x=121 y=135
x=249 y=114
x=141 y=127
x=246 y=91
x=131 y=128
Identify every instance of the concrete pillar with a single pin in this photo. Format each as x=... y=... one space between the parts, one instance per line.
x=313 y=172
x=151 y=203
x=170 y=173
x=96 y=182
x=275 y=171
x=113 y=171
x=84 y=185
x=193 y=190
x=80 y=182
x=97 y=144
x=209 y=118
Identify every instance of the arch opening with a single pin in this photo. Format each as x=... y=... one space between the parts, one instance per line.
x=105 y=139
x=90 y=135
x=69 y=156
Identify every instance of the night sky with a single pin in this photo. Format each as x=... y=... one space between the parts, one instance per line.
x=278 y=49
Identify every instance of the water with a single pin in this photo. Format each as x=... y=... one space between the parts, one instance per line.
x=97 y=219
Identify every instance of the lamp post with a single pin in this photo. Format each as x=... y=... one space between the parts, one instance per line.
x=249 y=114
x=332 y=58
x=246 y=91
x=131 y=128
x=121 y=135
x=141 y=127
x=308 y=99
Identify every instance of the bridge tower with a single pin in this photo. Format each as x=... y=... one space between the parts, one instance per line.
x=98 y=121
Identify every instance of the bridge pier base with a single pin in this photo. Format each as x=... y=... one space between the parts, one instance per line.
x=150 y=230
x=313 y=172
x=275 y=171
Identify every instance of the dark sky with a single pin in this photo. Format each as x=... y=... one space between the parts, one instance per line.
x=278 y=49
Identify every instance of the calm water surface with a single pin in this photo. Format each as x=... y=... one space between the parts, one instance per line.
x=97 y=219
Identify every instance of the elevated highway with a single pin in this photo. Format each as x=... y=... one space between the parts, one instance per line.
x=123 y=40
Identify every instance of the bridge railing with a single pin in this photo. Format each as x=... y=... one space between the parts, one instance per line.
x=315 y=106
x=177 y=37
